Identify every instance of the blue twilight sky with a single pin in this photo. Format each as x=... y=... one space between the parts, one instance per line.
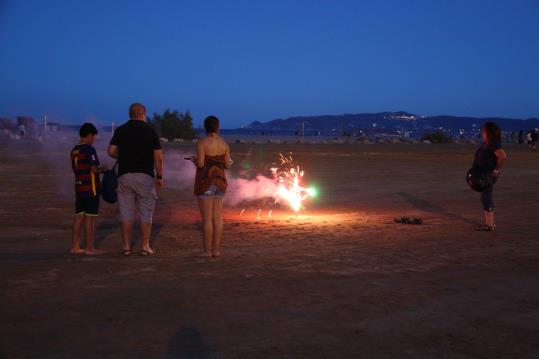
x=260 y=60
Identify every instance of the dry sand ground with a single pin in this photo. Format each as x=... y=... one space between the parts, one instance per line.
x=341 y=281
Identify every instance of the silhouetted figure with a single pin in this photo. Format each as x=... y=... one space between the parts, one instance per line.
x=140 y=175
x=533 y=140
x=520 y=137
x=489 y=159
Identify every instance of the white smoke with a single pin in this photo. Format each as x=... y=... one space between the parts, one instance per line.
x=243 y=189
x=54 y=153
x=180 y=174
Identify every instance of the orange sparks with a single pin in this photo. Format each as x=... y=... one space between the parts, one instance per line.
x=289 y=178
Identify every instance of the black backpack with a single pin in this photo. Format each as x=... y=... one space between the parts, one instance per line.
x=478 y=180
x=109 y=185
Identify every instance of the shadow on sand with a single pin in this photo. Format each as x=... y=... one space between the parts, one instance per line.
x=187 y=343
x=428 y=207
x=35 y=257
x=103 y=230
x=106 y=228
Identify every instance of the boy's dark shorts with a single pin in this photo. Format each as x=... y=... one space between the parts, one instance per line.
x=88 y=205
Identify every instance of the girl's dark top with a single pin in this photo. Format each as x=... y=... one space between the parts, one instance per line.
x=485 y=158
x=213 y=173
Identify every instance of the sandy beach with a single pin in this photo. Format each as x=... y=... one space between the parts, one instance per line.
x=340 y=280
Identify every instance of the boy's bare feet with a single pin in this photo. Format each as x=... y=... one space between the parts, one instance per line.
x=94 y=252
x=77 y=251
x=216 y=254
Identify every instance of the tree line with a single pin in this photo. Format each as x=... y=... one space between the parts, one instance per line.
x=173 y=124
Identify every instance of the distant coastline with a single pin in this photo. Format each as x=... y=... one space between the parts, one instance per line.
x=361 y=127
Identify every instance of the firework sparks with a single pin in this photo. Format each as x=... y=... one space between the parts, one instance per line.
x=289 y=176
x=286 y=187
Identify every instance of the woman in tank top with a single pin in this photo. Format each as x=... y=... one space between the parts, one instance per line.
x=210 y=184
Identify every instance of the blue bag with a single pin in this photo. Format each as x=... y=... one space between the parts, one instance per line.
x=109 y=185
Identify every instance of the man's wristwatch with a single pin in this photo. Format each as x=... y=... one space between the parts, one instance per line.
x=159 y=177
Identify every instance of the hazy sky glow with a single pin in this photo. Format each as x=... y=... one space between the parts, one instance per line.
x=260 y=60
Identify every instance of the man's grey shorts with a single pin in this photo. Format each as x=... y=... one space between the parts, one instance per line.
x=136 y=191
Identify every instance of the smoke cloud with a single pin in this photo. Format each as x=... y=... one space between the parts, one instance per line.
x=242 y=189
x=54 y=153
x=181 y=175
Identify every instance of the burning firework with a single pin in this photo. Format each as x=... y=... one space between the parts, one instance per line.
x=286 y=187
x=289 y=176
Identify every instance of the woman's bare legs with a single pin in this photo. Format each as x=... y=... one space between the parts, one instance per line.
x=205 y=204
x=217 y=225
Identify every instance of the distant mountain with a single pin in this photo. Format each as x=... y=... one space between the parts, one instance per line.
x=389 y=121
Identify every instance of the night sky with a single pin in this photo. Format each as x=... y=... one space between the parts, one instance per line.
x=260 y=60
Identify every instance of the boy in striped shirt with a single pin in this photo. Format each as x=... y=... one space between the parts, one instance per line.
x=86 y=168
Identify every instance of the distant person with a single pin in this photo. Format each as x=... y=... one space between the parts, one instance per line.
x=489 y=159
x=86 y=167
x=533 y=139
x=140 y=175
x=529 y=139
x=520 y=137
x=210 y=184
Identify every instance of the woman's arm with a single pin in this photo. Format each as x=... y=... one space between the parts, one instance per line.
x=502 y=158
x=228 y=160
x=200 y=159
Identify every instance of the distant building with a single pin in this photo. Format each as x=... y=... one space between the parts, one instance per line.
x=6 y=124
x=53 y=127
x=27 y=126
